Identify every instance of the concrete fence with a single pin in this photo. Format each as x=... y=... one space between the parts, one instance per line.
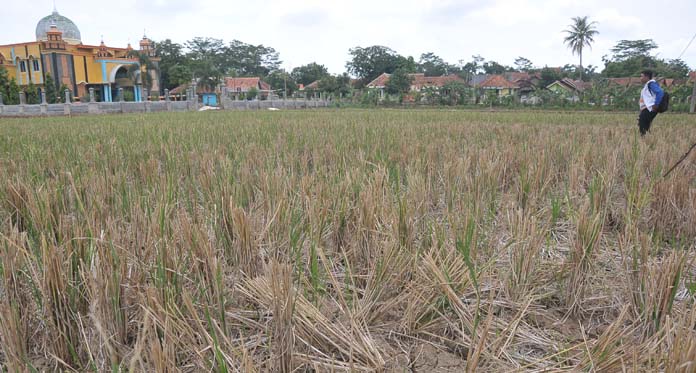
x=122 y=107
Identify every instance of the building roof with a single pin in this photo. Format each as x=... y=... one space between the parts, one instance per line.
x=418 y=80
x=497 y=82
x=245 y=84
x=312 y=85
x=625 y=82
x=379 y=82
x=71 y=33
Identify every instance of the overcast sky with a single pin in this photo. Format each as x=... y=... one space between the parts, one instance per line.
x=304 y=31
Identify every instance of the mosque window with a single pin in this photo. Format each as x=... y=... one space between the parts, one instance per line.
x=22 y=67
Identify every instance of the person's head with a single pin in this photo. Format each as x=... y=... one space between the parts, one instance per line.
x=646 y=76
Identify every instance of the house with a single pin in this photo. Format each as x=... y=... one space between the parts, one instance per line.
x=313 y=86
x=208 y=96
x=418 y=81
x=237 y=87
x=572 y=89
x=499 y=86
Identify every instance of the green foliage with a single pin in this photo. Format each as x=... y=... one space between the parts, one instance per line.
x=252 y=93
x=368 y=63
x=433 y=65
x=628 y=49
x=142 y=72
x=279 y=80
x=523 y=64
x=51 y=94
x=399 y=82
x=177 y=75
x=32 y=94
x=337 y=85
x=309 y=73
x=580 y=34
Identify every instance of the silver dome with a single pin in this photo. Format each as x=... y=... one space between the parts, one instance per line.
x=71 y=33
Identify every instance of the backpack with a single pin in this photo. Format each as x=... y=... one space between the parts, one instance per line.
x=664 y=104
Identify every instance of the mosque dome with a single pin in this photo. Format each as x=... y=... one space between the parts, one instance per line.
x=71 y=34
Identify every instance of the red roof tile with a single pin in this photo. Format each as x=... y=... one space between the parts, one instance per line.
x=312 y=85
x=498 y=82
x=380 y=81
x=244 y=84
x=625 y=81
x=419 y=81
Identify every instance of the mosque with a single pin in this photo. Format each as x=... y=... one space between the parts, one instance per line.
x=59 y=51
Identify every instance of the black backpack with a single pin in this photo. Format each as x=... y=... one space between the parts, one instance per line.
x=664 y=104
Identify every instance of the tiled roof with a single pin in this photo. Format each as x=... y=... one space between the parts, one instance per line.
x=419 y=80
x=245 y=84
x=625 y=81
x=498 y=82
x=517 y=76
x=313 y=85
x=380 y=81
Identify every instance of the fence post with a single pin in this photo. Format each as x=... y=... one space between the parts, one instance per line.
x=44 y=103
x=22 y=101
x=66 y=105
x=121 y=100
x=93 y=107
x=146 y=100
x=167 y=100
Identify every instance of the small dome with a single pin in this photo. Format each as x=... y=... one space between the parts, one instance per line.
x=71 y=33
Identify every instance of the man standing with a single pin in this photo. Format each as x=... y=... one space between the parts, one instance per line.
x=650 y=98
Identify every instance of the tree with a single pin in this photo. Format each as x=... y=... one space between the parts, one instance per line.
x=177 y=75
x=629 y=58
x=471 y=68
x=368 y=63
x=399 y=82
x=50 y=86
x=580 y=35
x=523 y=64
x=492 y=67
x=206 y=60
x=675 y=69
x=280 y=79
x=628 y=49
x=432 y=65
x=244 y=59
x=4 y=85
x=142 y=71
x=12 y=93
x=171 y=54
x=339 y=84
x=309 y=73
x=548 y=76
x=32 y=94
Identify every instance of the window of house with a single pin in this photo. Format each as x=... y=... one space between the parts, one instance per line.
x=22 y=67
x=36 y=65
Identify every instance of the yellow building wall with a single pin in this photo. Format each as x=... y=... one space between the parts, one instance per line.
x=94 y=71
x=79 y=69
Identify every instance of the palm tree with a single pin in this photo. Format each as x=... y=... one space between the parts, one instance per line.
x=142 y=69
x=580 y=35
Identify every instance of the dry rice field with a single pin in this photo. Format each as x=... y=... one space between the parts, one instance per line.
x=347 y=240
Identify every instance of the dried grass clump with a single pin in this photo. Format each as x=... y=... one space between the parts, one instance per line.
x=348 y=240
